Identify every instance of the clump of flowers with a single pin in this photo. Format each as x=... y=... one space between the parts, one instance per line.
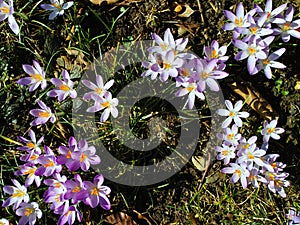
x=247 y=162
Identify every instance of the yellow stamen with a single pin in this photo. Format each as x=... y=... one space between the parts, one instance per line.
x=33 y=157
x=266 y=61
x=18 y=194
x=238 y=22
x=185 y=72
x=99 y=91
x=57 y=198
x=250 y=156
x=76 y=189
x=56 y=5
x=64 y=87
x=270 y=130
x=37 y=77
x=253 y=30
x=238 y=172
x=225 y=152
x=82 y=157
x=163 y=46
x=69 y=155
x=30 y=145
x=94 y=191
x=191 y=88
x=286 y=26
x=205 y=75
x=28 y=212
x=167 y=66
x=57 y=184
x=230 y=137
x=30 y=171
x=214 y=54
x=269 y=14
x=49 y=163
x=68 y=213
x=251 y=51
x=246 y=145
x=44 y=114
x=105 y=104
x=4 y=9
x=231 y=113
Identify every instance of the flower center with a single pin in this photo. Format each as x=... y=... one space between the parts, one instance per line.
x=99 y=91
x=214 y=54
x=64 y=87
x=191 y=88
x=205 y=75
x=69 y=155
x=82 y=157
x=37 y=77
x=231 y=113
x=238 y=22
x=266 y=62
x=270 y=130
x=105 y=104
x=68 y=213
x=49 y=163
x=28 y=212
x=286 y=26
x=4 y=9
x=230 y=137
x=94 y=191
x=251 y=50
x=253 y=30
x=238 y=172
x=56 y=5
x=57 y=198
x=250 y=156
x=33 y=157
x=246 y=145
x=30 y=171
x=167 y=66
x=44 y=114
x=164 y=46
x=225 y=152
x=18 y=194
x=30 y=145
x=76 y=189
x=185 y=72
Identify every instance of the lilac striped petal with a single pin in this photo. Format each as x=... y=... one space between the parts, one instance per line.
x=229 y=15
x=268 y=6
x=29 y=69
x=240 y=10
x=268 y=72
x=104 y=115
x=294 y=33
x=226 y=122
x=191 y=100
x=241 y=55
x=212 y=84
x=238 y=121
x=260 y=55
x=223 y=112
x=114 y=112
x=278 y=10
x=13 y=24
x=53 y=15
x=228 y=26
x=68 y=5
x=289 y=14
x=277 y=65
x=25 y=81
x=229 y=105
x=47 y=6
x=275 y=55
x=285 y=37
x=240 y=44
x=251 y=63
x=104 y=201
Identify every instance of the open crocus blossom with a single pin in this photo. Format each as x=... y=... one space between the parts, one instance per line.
x=232 y=113
x=270 y=130
x=36 y=76
x=29 y=212
x=239 y=172
x=57 y=7
x=32 y=144
x=42 y=115
x=6 y=11
x=64 y=87
x=18 y=194
x=99 y=88
x=4 y=221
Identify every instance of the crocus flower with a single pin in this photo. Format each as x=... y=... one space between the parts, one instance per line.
x=29 y=170
x=289 y=27
x=253 y=50
x=192 y=89
x=66 y=152
x=206 y=74
x=64 y=87
x=18 y=194
x=245 y=144
x=73 y=188
x=230 y=135
x=233 y=113
x=214 y=51
x=42 y=115
x=108 y=104
x=270 y=130
x=252 y=155
x=29 y=212
x=57 y=7
x=239 y=20
x=84 y=157
x=99 y=88
x=277 y=182
x=293 y=217
x=69 y=214
x=31 y=145
x=225 y=152
x=239 y=172
x=4 y=221
x=6 y=11
x=95 y=194
x=153 y=59
x=269 y=62
x=36 y=76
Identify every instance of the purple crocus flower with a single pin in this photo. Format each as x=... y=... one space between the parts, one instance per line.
x=31 y=145
x=153 y=59
x=225 y=152
x=6 y=11
x=266 y=64
x=29 y=170
x=66 y=152
x=252 y=155
x=277 y=182
x=69 y=214
x=245 y=144
x=30 y=157
x=230 y=136
x=270 y=130
x=73 y=188
x=29 y=212
x=240 y=20
x=253 y=50
x=42 y=115
x=99 y=88
x=206 y=74
x=289 y=27
x=57 y=7
x=214 y=51
x=84 y=157
x=95 y=194
x=293 y=217
x=36 y=76
x=108 y=104
x=232 y=113
x=64 y=88
x=18 y=194
x=239 y=172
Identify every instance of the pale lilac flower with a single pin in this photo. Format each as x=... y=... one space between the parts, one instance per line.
x=95 y=194
x=36 y=76
x=186 y=73
x=6 y=11
x=99 y=88
x=233 y=113
x=245 y=144
x=153 y=59
x=254 y=177
x=69 y=214
x=30 y=157
x=230 y=136
x=85 y=156
x=239 y=172
x=73 y=188
x=240 y=20
x=277 y=182
x=192 y=89
x=31 y=145
x=289 y=27
x=4 y=221
x=42 y=115
x=252 y=155
x=29 y=212
x=64 y=87
x=66 y=153
x=253 y=50
x=206 y=74
x=270 y=130
x=108 y=104
x=18 y=194
x=225 y=152
x=214 y=51
x=57 y=7
x=269 y=62
x=293 y=217
x=29 y=170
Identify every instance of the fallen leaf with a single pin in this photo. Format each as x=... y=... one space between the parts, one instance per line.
x=120 y=218
x=199 y=162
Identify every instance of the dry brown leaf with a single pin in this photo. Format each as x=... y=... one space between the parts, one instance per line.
x=199 y=162
x=253 y=98
x=120 y=218
x=187 y=12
